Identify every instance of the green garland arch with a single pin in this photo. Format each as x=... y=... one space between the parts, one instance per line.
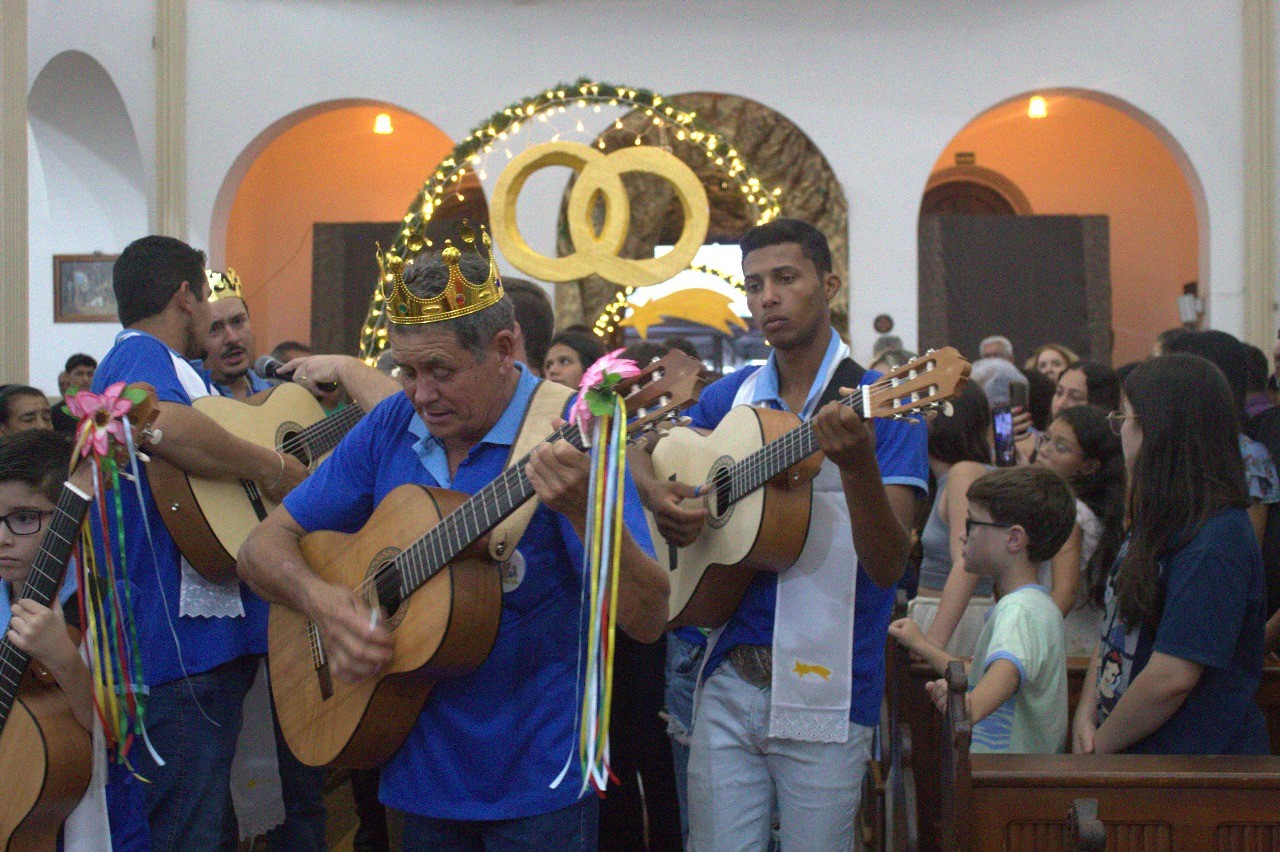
x=499 y=126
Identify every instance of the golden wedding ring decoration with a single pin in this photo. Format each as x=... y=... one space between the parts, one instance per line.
x=599 y=174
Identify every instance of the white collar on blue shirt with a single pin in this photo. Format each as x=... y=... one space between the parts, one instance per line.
x=767 y=388
x=431 y=451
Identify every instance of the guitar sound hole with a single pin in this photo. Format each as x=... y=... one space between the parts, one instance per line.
x=382 y=587
x=719 y=506
x=387 y=587
x=290 y=444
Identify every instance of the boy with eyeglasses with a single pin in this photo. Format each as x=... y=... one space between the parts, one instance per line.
x=1017 y=701
x=33 y=466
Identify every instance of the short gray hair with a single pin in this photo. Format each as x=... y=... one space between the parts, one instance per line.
x=1006 y=346
x=427 y=277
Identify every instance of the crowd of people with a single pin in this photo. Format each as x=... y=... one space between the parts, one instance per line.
x=1135 y=521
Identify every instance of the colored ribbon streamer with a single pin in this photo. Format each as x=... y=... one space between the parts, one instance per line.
x=103 y=597
x=601 y=418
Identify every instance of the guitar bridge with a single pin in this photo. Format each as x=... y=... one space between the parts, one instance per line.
x=320 y=662
x=255 y=498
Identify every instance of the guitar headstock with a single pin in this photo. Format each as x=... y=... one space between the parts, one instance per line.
x=661 y=390
x=920 y=387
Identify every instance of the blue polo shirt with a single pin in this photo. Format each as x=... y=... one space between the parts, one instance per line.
x=902 y=452
x=257 y=384
x=487 y=745
x=172 y=646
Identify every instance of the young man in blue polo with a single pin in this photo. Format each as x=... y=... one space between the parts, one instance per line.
x=765 y=727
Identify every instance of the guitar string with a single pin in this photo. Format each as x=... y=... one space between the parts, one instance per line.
x=427 y=556
x=750 y=473
x=325 y=430
x=40 y=586
x=743 y=473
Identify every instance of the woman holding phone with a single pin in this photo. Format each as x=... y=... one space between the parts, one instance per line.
x=951 y=604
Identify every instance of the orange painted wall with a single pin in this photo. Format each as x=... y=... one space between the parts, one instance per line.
x=1088 y=158
x=328 y=168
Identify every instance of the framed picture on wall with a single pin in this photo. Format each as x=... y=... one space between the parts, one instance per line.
x=82 y=288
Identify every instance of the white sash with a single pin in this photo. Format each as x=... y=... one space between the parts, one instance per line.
x=813 y=617
x=198 y=597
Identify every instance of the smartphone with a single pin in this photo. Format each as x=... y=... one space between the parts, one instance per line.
x=1006 y=451
x=1018 y=395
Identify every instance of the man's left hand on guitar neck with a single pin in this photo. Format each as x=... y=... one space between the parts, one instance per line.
x=879 y=513
x=844 y=438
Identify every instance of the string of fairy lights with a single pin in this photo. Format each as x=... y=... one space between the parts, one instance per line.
x=612 y=313
x=471 y=156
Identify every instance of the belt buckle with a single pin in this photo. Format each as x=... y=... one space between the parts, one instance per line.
x=754 y=664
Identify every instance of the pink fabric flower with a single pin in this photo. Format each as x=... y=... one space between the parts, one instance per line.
x=99 y=416
x=594 y=377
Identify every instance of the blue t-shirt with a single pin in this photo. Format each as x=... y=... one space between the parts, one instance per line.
x=1214 y=614
x=155 y=575
x=487 y=745
x=902 y=452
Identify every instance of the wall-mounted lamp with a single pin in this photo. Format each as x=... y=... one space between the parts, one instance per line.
x=382 y=124
x=1037 y=108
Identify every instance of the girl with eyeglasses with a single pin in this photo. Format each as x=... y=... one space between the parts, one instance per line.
x=951 y=604
x=1180 y=653
x=1081 y=448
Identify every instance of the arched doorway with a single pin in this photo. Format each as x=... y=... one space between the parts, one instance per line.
x=1093 y=154
x=319 y=171
x=88 y=194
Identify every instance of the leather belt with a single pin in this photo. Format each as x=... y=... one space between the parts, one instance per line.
x=754 y=664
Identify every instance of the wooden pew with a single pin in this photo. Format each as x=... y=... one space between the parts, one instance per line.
x=1149 y=802
x=914 y=731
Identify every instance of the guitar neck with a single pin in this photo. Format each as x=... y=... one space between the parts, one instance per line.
x=43 y=584
x=458 y=530
x=752 y=472
x=319 y=438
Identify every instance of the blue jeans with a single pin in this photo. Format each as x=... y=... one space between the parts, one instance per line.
x=194 y=724
x=684 y=660
x=571 y=829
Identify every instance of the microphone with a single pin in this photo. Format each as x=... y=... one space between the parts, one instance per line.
x=269 y=368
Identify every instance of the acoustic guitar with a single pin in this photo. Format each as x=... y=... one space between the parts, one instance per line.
x=757 y=471
x=422 y=560
x=46 y=757
x=210 y=518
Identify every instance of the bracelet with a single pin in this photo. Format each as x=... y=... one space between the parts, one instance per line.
x=280 y=475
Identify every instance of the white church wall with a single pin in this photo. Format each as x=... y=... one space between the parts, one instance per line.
x=86 y=194
x=880 y=88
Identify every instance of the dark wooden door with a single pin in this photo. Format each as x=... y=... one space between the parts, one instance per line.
x=1033 y=279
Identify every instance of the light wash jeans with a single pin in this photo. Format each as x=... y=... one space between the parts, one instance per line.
x=684 y=660
x=736 y=770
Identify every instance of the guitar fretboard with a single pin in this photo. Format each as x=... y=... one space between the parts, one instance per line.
x=319 y=438
x=458 y=530
x=42 y=584
x=746 y=475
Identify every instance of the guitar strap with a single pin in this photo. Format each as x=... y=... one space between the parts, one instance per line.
x=847 y=375
x=547 y=404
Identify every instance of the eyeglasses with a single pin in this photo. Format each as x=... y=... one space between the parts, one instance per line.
x=970 y=523
x=24 y=521
x=1117 y=418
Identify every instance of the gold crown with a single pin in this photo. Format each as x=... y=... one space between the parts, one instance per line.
x=223 y=285
x=460 y=296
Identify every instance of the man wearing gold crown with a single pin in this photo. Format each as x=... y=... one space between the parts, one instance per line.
x=229 y=344
x=477 y=769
